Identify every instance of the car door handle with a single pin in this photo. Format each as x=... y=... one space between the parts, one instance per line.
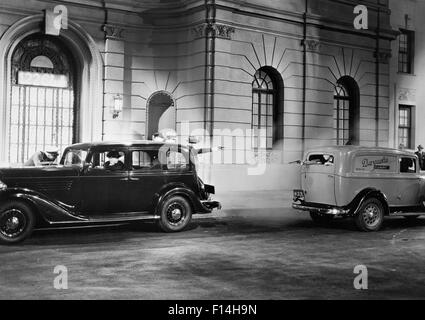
x=134 y=179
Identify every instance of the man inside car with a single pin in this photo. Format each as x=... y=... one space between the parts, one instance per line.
x=114 y=163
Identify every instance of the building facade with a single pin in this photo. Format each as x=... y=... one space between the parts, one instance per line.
x=407 y=100
x=265 y=79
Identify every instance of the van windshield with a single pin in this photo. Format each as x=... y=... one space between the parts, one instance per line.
x=320 y=159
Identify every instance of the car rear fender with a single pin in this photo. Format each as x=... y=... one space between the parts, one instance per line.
x=177 y=190
x=365 y=194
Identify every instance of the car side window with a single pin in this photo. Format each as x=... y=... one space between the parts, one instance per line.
x=407 y=165
x=110 y=160
x=176 y=160
x=146 y=160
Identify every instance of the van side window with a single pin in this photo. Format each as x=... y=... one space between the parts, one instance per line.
x=407 y=165
x=321 y=159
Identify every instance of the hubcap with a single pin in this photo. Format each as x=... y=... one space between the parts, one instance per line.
x=176 y=214
x=12 y=223
x=371 y=215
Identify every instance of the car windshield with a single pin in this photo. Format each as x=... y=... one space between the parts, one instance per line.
x=73 y=157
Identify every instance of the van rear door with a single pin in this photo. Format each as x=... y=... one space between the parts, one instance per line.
x=318 y=178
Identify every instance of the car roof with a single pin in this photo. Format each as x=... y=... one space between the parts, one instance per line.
x=351 y=149
x=134 y=143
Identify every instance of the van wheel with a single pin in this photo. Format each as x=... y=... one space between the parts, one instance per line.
x=370 y=216
x=321 y=218
x=175 y=214
x=16 y=222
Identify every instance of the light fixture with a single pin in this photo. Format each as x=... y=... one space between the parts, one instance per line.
x=118 y=106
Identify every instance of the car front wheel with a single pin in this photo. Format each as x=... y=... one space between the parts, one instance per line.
x=175 y=214
x=16 y=222
x=370 y=216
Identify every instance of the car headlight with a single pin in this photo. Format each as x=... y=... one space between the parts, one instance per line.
x=3 y=186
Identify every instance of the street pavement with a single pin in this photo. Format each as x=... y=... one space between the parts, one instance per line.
x=257 y=247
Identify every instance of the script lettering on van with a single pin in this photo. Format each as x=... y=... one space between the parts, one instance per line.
x=375 y=163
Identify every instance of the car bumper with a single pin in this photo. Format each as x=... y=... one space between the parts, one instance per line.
x=211 y=205
x=334 y=211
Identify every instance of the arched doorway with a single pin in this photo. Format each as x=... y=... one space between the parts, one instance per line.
x=43 y=111
x=161 y=113
x=87 y=85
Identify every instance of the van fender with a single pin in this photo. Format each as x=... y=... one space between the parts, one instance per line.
x=365 y=194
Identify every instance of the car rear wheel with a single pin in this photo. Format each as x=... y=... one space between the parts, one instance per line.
x=175 y=214
x=16 y=222
x=321 y=218
x=370 y=216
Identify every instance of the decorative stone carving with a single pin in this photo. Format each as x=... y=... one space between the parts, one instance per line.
x=383 y=57
x=312 y=45
x=217 y=30
x=113 y=32
x=199 y=31
x=407 y=94
x=223 y=31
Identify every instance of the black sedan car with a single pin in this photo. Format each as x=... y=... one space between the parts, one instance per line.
x=104 y=183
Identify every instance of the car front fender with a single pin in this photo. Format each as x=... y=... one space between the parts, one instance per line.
x=48 y=210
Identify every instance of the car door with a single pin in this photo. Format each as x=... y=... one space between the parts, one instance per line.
x=146 y=178
x=104 y=191
x=409 y=183
x=318 y=179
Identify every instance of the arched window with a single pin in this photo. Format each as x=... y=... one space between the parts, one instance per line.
x=266 y=114
x=342 y=115
x=42 y=111
x=346 y=112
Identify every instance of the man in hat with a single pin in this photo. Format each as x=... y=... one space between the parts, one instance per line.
x=420 y=154
x=114 y=163
x=43 y=158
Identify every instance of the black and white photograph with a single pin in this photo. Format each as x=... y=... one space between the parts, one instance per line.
x=212 y=154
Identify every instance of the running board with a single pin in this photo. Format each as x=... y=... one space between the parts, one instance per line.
x=110 y=219
x=407 y=214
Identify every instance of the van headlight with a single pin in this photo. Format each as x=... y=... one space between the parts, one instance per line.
x=3 y=186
